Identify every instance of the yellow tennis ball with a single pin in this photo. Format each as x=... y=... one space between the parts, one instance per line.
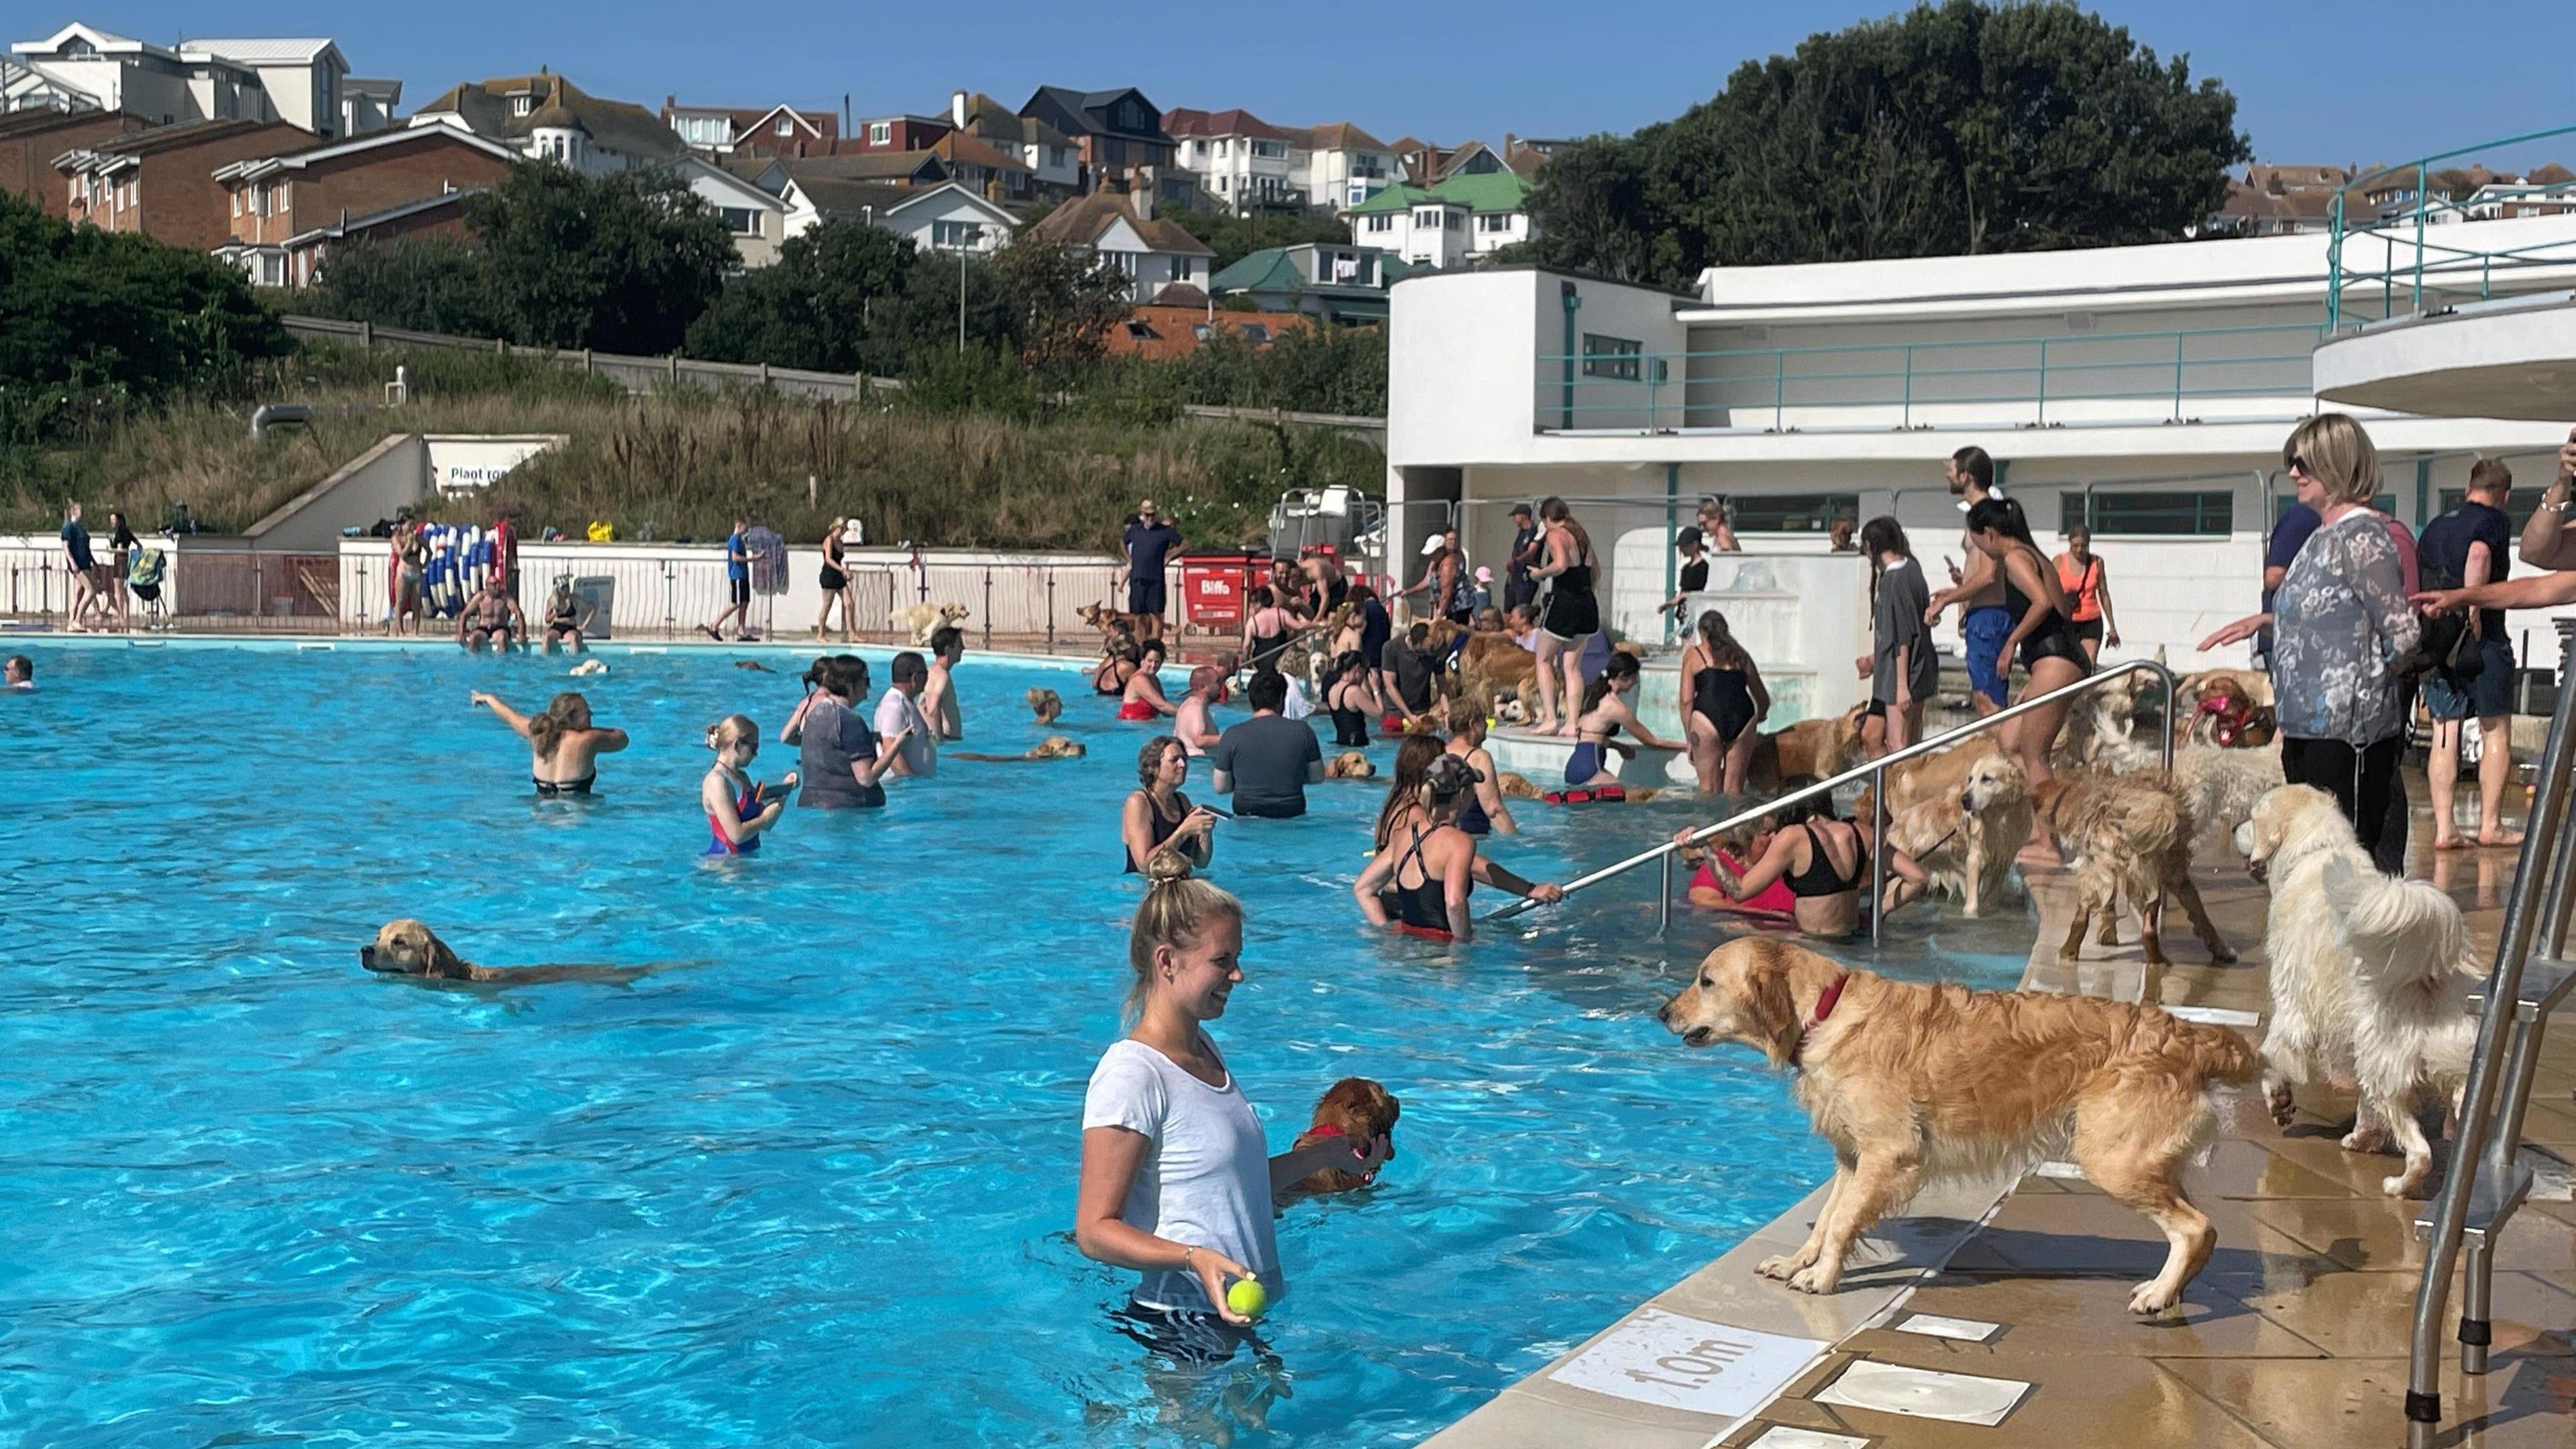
x=1248 y=1297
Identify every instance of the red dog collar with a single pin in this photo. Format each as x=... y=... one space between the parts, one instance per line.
x=1825 y=1005
x=2230 y=714
x=1326 y=1129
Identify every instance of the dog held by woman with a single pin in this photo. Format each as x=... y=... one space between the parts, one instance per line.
x=406 y=947
x=1358 y=1111
x=2370 y=978
x=1913 y=1082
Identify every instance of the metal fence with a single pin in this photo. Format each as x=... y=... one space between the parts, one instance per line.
x=237 y=589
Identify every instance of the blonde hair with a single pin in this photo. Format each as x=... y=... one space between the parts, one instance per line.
x=1176 y=912
x=2332 y=449
x=545 y=729
x=731 y=730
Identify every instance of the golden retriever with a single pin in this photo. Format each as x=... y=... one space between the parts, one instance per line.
x=1967 y=840
x=1046 y=705
x=1515 y=785
x=1359 y=1112
x=406 y=947
x=2125 y=834
x=1912 y=1082
x=1818 y=747
x=1053 y=747
x=2370 y=978
x=1112 y=623
x=1492 y=668
x=923 y=620
x=1349 y=765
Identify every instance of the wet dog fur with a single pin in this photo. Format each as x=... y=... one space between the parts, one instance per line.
x=406 y=947
x=1361 y=1111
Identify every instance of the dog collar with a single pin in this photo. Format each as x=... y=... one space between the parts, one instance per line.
x=1326 y=1129
x=1825 y=1005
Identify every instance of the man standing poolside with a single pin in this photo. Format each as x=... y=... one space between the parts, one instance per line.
x=1148 y=542
x=737 y=586
x=1267 y=761
x=939 y=696
x=83 y=568
x=2466 y=547
x=1983 y=622
x=1518 y=587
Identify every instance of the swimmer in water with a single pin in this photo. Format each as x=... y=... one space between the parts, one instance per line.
x=738 y=809
x=1423 y=842
x=563 y=745
x=1144 y=693
x=20 y=672
x=1195 y=725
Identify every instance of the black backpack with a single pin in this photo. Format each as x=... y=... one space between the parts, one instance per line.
x=2449 y=646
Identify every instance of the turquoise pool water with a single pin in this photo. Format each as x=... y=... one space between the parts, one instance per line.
x=808 y=1183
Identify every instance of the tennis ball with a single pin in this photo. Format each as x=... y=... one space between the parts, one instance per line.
x=1248 y=1297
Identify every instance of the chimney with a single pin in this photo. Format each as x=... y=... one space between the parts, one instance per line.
x=1509 y=140
x=957 y=108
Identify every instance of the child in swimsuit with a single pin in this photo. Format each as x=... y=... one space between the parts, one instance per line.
x=738 y=808
x=1605 y=709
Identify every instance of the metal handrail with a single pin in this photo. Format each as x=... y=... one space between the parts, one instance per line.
x=1876 y=770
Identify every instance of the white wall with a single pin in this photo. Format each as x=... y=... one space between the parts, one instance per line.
x=466 y=462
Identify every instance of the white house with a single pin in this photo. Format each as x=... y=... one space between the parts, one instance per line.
x=301 y=81
x=946 y=218
x=1467 y=214
x=1241 y=160
x=2143 y=390
x=1153 y=254
x=548 y=117
x=1344 y=165
x=756 y=219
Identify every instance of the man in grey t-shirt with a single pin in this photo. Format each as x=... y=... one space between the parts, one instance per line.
x=1267 y=761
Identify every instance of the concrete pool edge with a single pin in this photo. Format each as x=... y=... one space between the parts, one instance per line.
x=1540 y=1412
x=605 y=648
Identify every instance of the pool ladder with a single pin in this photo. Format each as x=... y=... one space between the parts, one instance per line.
x=2485 y=1183
x=1876 y=773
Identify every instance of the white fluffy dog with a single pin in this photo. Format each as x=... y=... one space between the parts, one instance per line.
x=2370 y=977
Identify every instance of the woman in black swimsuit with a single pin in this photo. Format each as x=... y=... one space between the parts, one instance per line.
x=1158 y=813
x=1722 y=699
x=836 y=583
x=2050 y=649
x=1426 y=867
x=1350 y=697
x=1823 y=861
x=1569 y=617
x=1267 y=629
x=564 y=747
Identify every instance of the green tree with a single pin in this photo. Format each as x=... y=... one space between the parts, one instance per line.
x=427 y=284
x=622 y=263
x=1063 y=301
x=833 y=301
x=1956 y=128
x=91 y=321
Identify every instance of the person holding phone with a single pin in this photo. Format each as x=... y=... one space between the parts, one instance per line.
x=1177 y=1178
x=1158 y=814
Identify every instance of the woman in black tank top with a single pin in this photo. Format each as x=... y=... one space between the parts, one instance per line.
x=1568 y=617
x=2049 y=649
x=1828 y=891
x=1158 y=813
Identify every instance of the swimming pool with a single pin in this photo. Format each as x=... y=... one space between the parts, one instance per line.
x=811 y=1182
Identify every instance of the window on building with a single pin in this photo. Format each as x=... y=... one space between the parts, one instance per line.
x=783 y=127
x=741 y=220
x=880 y=132
x=1429 y=217
x=1457 y=221
x=236 y=203
x=522 y=104
x=1619 y=358
x=1381 y=221
x=2283 y=503
x=2196 y=513
x=1123 y=262
x=1792 y=512
x=2519 y=507
x=1253 y=332
x=1271 y=150
x=1490 y=221
x=955 y=233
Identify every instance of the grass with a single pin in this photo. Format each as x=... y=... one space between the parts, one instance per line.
x=684 y=465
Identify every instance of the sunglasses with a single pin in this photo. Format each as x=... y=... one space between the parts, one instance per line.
x=2297 y=464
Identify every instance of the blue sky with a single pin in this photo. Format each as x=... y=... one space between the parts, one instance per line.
x=2315 y=82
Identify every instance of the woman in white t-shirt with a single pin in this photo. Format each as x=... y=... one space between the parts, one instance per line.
x=1177 y=1178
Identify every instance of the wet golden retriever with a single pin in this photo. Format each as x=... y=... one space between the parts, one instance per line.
x=1913 y=1082
x=1818 y=747
x=1046 y=705
x=1053 y=747
x=923 y=620
x=1966 y=838
x=2125 y=834
x=406 y=947
x=1359 y=1112
x=1349 y=765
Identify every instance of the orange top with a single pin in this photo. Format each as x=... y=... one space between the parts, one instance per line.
x=2084 y=587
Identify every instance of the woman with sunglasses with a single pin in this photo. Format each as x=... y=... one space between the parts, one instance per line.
x=2340 y=621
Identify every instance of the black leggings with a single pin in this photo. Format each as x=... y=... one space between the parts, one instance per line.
x=2364 y=783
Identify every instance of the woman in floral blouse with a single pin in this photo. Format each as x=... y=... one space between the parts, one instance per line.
x=2341 y=621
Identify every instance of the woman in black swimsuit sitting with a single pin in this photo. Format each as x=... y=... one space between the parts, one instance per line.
x=1158 y=814
x=1426 y=867
x=1824 y=862
x=2051 y=651
x=563 y=745
x=1723 y=699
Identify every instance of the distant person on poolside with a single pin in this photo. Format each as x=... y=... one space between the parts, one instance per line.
x=1717 y=524
x=1568 y=620
x=1148 y=542
x=738 y=808
x=1144 y=698
x=899 y=717
x=1901 y=667
x=1979 y=592
x=566 y=616
x=491 y=617
x=840 y=759
x=1267 y=761
x=411 y=559
x=1158 y=814
x=939 y=696
x=1177 y=1177
x=121 y=544
x=1840 y=534
x=2086 y=582
x=1196 y=723
x=1692 y=577
x=19 y=672
x=80 y=566
x=563 y=745
x=737 y=587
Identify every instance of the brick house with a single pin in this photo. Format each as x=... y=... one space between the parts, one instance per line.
x=303 y=255
x=30 y=140
x=898 y=133
x=275 y=200
x=162 y=183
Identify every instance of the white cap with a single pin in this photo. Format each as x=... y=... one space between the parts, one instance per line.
x=1997 y=491
x=1431 y=545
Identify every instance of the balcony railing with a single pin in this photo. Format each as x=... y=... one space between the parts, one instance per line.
x=2383 y=263
x=1985 y=382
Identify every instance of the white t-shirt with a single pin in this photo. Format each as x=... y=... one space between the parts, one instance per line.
x=1298 y=705
x=1206 y=1176
x=920 y=753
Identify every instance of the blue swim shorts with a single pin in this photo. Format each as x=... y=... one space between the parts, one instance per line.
x=1985 y=630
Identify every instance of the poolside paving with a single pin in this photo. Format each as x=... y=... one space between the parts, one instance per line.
x=2293 y=1338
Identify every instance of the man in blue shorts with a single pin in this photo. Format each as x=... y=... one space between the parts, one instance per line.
x=1148 y=541
x=1983 y=622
